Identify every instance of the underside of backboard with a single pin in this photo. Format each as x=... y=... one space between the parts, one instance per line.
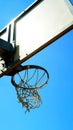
x=37 y=27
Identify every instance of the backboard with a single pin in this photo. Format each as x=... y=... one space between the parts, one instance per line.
x=36 y=27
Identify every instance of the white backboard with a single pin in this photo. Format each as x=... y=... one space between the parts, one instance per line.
x=38 y=26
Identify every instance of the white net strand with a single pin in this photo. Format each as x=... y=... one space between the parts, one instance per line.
x=29 y=98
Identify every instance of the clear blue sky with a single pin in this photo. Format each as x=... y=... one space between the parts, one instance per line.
x=56 y=111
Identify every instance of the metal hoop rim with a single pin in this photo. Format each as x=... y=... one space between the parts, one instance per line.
x=30 y=67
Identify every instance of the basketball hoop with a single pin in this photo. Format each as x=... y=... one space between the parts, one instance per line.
x=27 y=82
